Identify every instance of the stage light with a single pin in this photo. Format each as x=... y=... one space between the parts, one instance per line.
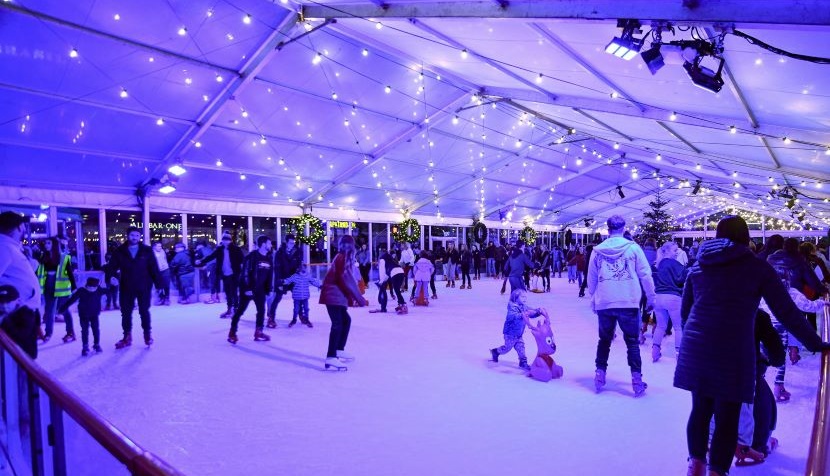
x=620 y=192
x=177 y=170
x=696 y=190
x=706 y=78
x=626 y=46
x=167 y=188
x=653 y=58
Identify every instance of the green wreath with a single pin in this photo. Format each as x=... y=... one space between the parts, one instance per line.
x=407 y=231
x=315 y=228
x=479 y=232
x=528 y=235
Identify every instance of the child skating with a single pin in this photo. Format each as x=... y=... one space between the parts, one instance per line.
x=514 y=327
x=301 y=281
x=89 y=311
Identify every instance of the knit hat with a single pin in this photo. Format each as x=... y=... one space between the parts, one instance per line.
x=226 y=236
x=8 y=293
x=92 y=282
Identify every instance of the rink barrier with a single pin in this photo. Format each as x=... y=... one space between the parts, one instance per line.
x=49 y=431
x=817 y=460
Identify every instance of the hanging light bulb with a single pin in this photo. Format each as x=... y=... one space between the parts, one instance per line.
x=616 y=145
x=317 y=58
x=455 y=122
x=123 y=93
x=182 y=31
x=218 y=162
x=464 y=54
x=673 y=116
x=787 y=140
x=247 y=19
x=73 y=53
x=365 y=52
x=387 y=89
x=733 y=130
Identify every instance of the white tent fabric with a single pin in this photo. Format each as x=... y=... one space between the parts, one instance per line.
x=501 y=110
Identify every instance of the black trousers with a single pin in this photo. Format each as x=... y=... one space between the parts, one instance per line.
x=725 y=438
x=465 y=274
x=546 y=278
x=765 y=414
x=272 y=305
x=341 y=322
x=231 y=291
x=127 y=301
x=259 y=301
x=396 y=282
x=112 y=294
x=88 y=322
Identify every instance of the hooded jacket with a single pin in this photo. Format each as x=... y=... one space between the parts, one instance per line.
x=618 y=274
x=797 y=268
x=717 y=356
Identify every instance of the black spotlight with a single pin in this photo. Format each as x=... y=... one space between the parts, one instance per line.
x=704 y=77
x=696 y=190
x=620 y=192
x=653 y=58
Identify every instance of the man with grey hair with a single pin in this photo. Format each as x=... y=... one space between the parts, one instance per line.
x=618 y=273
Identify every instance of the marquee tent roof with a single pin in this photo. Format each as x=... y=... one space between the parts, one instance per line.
x=489 y=109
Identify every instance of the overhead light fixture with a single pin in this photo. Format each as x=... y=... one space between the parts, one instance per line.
x=653 y=59
x=626 y=46
x=177 y=170
x=706 y=53
x=620 y=192
x=167 y=188
x=696 y=190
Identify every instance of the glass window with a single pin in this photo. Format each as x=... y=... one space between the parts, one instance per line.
x=117 y=223
x=201 y=229
x=266 y=226
x=166 y=228
x=336 y=229
x=237 y=226
x=91 y=243
x=379 y=238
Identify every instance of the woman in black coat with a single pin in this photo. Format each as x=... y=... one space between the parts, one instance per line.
x=717 y=354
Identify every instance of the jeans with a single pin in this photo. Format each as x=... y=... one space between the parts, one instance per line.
x=628 y=319
x=185 y=284
x=231 y=291
x=449 y=272
x=395 y=282
x=341 y=322
x=571 y=273
x=164 y=291
x=491 y=266
x=465 y=274
x=112 y=295
x=259 y=301
x=513 y=342
x=667 y=308
x=301 y=310
x=128 y=300
x=725 y=437
x=273 y=302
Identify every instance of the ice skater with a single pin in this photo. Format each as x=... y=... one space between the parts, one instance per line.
x=544 y=368
x=299 y=293
x=423 y=272
x=514 y=327
x=255 y=282
x=89 y=311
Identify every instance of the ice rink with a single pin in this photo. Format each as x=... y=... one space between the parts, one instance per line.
x=422 y=398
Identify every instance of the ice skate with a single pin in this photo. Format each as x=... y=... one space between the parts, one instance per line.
x=107 y=307
x=345 y=356
x=638 y=385
x=232 y=338
x=292 y=323
x=333 y=363
x=463 y=287
x=85 y=351
x=375 y=311
x=494 y=355
x=45 y=338
x=307 y=322
x=434 y=296
x=125 y=342
x=148 y=339
x=226 y=314
x=772 y=445
x=523 y=364
x=69 y=337
x=272 y=323
x=655 y=353
x=599 y=380
x=643 y=333
x=97 y=348
x=795 y=356
x=402 y=309
x=697 y=467
x=469 y=286
x=747 y=456
x=261 y=336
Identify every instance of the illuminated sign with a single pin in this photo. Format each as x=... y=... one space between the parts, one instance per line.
x=338 y=224
x=158 y=226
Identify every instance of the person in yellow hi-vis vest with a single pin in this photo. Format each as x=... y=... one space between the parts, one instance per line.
x=57 y=282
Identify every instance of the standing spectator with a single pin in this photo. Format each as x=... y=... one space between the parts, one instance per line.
x=57 y=282
x=181 y=267
x=465 y=259
x=774 y=243
x=617 y=272
x=112 y=291
x=364 y=263
x=476 y=253
x=339 y=288
x=650 y=250
x=571 y=264
x=501 y=259
x=228 y=258
x=407 y=261
x=578 y=262
x=15 y=269
x=17 y=320
x=668 y=285
x=544 y=267
x=255 y=282
x=490 y=256
x=717 y=356
x=588 y=251
x=451 y=259
x=287 y=261
x=136 y=269
x=89 y=310
x=558 y=260
x=164 y=273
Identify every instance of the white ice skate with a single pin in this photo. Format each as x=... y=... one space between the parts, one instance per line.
x=333 y=363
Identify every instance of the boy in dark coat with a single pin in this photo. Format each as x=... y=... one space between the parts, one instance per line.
x=89 y=310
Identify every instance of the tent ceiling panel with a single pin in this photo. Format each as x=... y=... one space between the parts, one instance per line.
x=225 y=184
x=366 y=198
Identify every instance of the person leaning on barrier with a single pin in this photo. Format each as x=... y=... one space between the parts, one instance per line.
x=18 y=321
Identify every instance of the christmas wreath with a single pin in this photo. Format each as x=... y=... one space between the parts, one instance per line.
x=479 y=232
x=315 y=229
x=528 y=235
x=407 y=231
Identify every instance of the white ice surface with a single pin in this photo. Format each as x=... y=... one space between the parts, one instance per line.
x=421 y=398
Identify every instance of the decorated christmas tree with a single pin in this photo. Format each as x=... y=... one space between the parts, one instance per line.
x=658 y=223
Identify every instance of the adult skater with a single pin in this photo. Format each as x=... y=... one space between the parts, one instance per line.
x=57 y=282
x=340 y=288
x=255 y=282
x=407 y=262
x=228 y=258
x=717 y=355
x=616 y=274
x=287 y=261
x=390 y=274
x=516 y=265
x=136 y=270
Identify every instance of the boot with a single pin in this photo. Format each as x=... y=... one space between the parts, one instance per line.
x=453 y=284
x=402 y=309
x=69 y=337
x=448 y=284
x=494 y=355
x=107 y=307
x=747 y=456
x=333 y=363
x=344 y=356
x=434 y=296
x=261 y=336
x=272 y=323
x=97 y=348
x=599 y=380
x=308 y=323
x=463 y=287
x=523 y=364
x=125 y=342
x=697 y=467
x=226 y=314
x=292 y=323
x=637 y=384
x=85 y=351
x=148 y=338
x=232 y=337
x=655 y=353
x=469 y=286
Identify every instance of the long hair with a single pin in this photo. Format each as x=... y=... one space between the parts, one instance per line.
x=53 y=256
x=346 y=246
x=514 y=295
x=668 y=250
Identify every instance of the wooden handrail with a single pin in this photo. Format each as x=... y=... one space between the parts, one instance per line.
x=135 y=458
x=817 y=460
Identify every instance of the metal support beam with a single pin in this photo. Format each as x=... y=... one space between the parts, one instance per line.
x=606 y=126
x=770 y=152
x=803 y=12
x=76 y=150
x=498 y=66
x=679 y=137
x=377 y=154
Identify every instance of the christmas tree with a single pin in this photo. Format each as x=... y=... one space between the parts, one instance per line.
x=658 y=223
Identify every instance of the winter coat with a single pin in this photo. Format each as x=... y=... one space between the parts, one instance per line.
x=235 y=254
x=89 y=302
x=257 y=274
x=720 y=299
x=465 y=259
x=22 y=327
x=387 y=267
x=578 y=260
x=618 y=274
x=544 y=260
x=423 y=270
x=452 y=257
x=407 y=257
x=301 y=282
x=286 y=263
x=800 y=272
x=517 y=264
x=651 y=254
x=670 y=277
x=514 y=324
x=181 y=264
x=490 y=252
x=139 y=273
x=339 y=285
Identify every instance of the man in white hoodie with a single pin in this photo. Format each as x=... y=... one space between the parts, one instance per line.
x=618 y=273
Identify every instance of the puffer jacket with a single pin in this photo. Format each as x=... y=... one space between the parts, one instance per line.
x=423 y=270
x=720 y=299
x=339 y=286
x=798 y=269
x=181 y=264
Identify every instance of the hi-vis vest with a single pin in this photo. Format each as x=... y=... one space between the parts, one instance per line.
x=63 y=287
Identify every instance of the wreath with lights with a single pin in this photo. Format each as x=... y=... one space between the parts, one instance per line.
x=408 y=231
x=479 y=232
x=315 y=229
x=528 y=235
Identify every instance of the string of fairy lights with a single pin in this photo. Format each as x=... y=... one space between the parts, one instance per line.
x=545 y=138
